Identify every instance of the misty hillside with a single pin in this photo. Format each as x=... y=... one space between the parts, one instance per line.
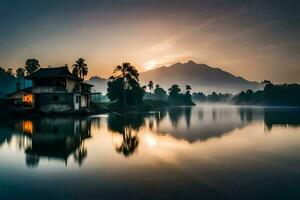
x=100 y=84
x=200 y=76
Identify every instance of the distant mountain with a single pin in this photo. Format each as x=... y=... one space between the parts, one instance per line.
x=100 y=84
x=200 y=77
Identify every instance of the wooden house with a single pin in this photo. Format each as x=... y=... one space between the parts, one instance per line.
x=56 y=89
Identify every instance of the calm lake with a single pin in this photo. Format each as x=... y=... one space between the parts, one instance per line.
x=208 y=152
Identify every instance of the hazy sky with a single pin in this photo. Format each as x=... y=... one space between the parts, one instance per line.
x=254 y=39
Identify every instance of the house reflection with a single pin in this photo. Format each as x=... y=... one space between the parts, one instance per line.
x=27 y=127
x=56 y=138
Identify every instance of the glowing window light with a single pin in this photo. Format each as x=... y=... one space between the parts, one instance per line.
x=27 y=127
x=27 y=99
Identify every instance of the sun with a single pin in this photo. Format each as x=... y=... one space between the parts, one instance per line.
x=150 y=64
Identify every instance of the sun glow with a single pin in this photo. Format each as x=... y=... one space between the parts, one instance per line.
x=150 y=64
x=150 y=141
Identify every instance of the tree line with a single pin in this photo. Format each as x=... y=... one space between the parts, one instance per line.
x=32 y=65
x=123 y=88
x=270 y=95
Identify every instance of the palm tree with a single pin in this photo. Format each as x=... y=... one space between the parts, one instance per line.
x=150 y=85
x=129 y=75
x=31 y=65
x=174 y=92
x=174 y=89
x=80 y=68
x=188 y=88
x=127 y=72
x=20 y=72
x=10 y=71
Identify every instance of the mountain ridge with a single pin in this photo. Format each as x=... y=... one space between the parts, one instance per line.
x=201 y=77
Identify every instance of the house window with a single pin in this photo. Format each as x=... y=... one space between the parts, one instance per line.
x=27 y=99
x=55 y=98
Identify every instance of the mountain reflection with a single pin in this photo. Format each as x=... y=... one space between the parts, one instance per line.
x=62 y=138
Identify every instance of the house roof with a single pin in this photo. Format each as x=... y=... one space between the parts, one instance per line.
x=22 y=92
x=52 y=72
x=87 y=84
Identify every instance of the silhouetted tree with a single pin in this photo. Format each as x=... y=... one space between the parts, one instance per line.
x=150 y=85
x=188 y=88
x=2 y=71
x=124 y=85
x=174 y=92
x=32 y=65
x=265 y=82
x=175 y=97
x=80 y=68
x=199 y=96
x=160 y=93
x=274 y=95
x=115 y=89
x=20 y=73
x=10 y=71
x=188 y=96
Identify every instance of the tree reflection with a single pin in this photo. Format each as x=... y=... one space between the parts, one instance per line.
x=281 y=117
x=32 y=160
x=129 y=144
x=80 y=153
x=176 y=113
x=187 y=116
x=128 y=125
x=246 y=115
x=159 y=116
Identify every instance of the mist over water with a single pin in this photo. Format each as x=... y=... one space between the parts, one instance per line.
x=220 y=151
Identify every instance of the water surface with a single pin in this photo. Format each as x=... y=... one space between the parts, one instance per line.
x=209 y=152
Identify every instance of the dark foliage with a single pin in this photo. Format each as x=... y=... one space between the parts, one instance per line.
x=124 y=87
x=272 y=95
x=177 y=98
x=160 y=93
x=213 y=97
x=80 y=68
x=32 y=65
